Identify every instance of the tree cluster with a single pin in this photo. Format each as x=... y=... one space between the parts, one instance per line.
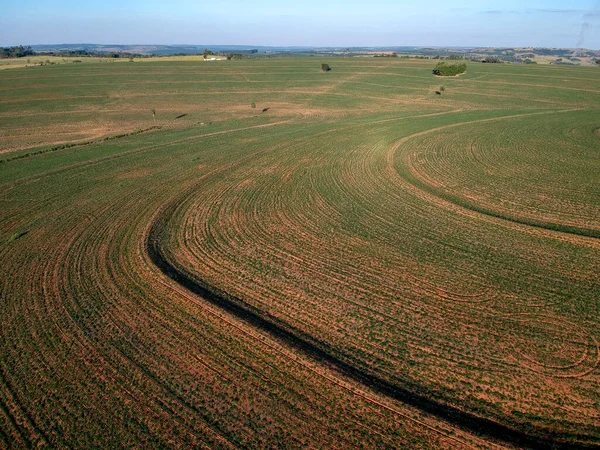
x=16 y=52
x=448 y=70
x=491 y=60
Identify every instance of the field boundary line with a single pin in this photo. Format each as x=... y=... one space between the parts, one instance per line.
x=191 y=138
x=134 y=151
x=455 y=201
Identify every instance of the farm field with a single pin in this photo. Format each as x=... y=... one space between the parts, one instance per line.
x=258 y=254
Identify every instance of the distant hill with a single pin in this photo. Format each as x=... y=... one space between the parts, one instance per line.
x=562 y=56
x=157 y=49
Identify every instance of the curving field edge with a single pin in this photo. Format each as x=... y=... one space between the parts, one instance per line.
x=410 y=176
x=326 y=355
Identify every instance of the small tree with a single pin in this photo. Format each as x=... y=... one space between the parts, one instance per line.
x=325 y=67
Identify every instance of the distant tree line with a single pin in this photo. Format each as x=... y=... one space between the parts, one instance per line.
x=448 y=70
x=16 y=52
x=21 y=51
x=553 y=51
x=96 y=54
x=84 y=53
x=562 y=62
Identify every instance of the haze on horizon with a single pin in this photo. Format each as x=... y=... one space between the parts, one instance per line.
x=508 y=23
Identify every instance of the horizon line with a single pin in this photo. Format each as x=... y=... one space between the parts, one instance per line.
x=310 y=46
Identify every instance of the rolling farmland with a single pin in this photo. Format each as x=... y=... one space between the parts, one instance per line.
x=355 y=262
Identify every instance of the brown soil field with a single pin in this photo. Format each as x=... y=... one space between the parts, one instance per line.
x=364 y=265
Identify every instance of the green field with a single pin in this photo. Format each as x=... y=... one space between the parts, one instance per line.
x=355 y=261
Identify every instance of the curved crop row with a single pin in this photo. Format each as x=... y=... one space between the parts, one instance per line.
x=522 y=170
x=330 y=246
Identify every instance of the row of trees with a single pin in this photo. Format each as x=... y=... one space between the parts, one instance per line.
x=16 y=52
x=448 y=70
x=21 y=51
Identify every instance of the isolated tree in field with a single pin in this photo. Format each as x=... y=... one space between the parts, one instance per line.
x=325 y=67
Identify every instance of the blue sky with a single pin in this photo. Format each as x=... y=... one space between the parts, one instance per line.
x=549 y=23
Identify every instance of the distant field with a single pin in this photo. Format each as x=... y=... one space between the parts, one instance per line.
x=32 y=61
x=39 y=60
x=259 y=254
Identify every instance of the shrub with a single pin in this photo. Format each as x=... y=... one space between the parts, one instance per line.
x=491 y=60
x=325 y=67
x=449 y=70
